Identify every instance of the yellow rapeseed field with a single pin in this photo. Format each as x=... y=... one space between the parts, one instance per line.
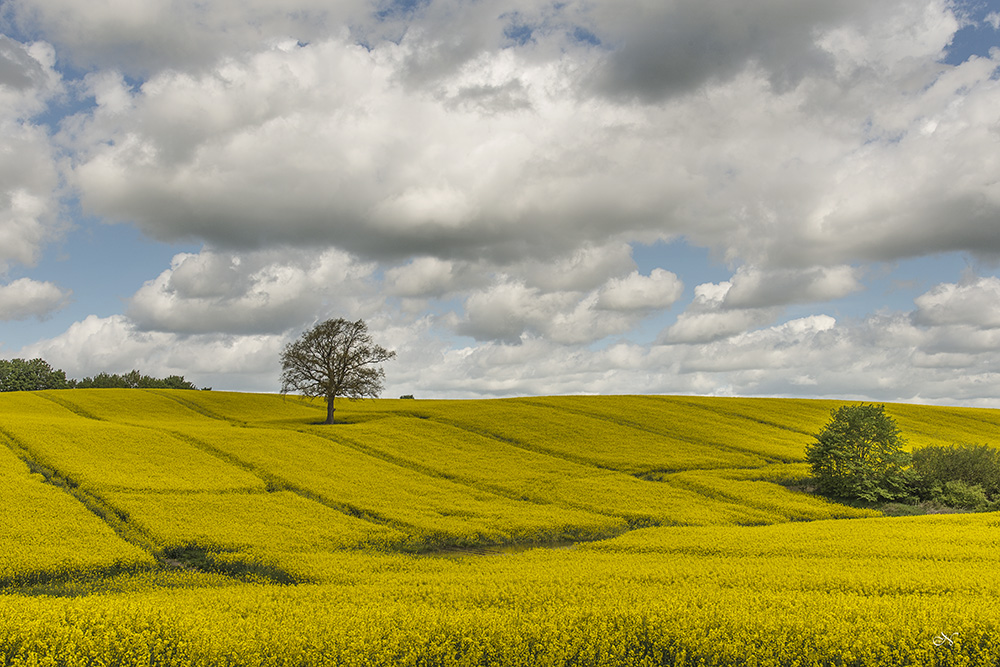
x=158 y=527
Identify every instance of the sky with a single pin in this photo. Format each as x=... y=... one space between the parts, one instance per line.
x=520 y=197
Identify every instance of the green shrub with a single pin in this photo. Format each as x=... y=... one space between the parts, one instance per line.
x=972 y=465
x=958 y=494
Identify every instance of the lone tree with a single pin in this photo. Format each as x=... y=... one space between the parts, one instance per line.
x=859 y=455
x=334 y=358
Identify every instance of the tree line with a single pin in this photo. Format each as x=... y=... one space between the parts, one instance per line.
x=859 y=456
x=37 y=374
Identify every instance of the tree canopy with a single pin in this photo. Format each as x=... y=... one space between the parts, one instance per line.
x=334 y=358
x=859 y=455
x=33 y=375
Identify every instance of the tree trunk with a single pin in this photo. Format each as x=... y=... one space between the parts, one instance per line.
x=329 y=410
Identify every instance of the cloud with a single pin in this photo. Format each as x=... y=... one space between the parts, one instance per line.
x=502 y=154
x=29 y=179
x=771 y=347
x=962 y=339
x=891 y=36
x=707 y=320
x=21 y=70
x=422 y=277
x=541 y=367
x=450 y=168
x=975 y=304
x=754 y=288
x=301 y=145
x=664 y=49
x=321 y=144
x=705 y=327
x=24 y=298
x=114 y=345
x=755 y=298
x=659 y=290
x=510 y=311
x=245 y=362
x=884 y=357
x=583 y=269
x=264 y=292
x=143 y=36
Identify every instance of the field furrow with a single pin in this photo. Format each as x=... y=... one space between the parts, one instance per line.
x=280 y=521
x=582 y=439
x=679 y=420
x=493 y=465
x=104 y=455
x=45 y=533
x=434 y=510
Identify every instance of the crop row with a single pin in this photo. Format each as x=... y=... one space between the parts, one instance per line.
x=280 y=521
x=585 y=439
x=677 y=418
x=769 y=427
x=253 y=478
x=104 y=455
x=434 y=510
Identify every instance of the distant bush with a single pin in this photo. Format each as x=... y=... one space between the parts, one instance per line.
x=966 y=476
x=37 y=374
x=903 y=509
x=975 y=465
x=131 y=380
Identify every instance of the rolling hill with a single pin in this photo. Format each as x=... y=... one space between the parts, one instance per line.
x=184 y=527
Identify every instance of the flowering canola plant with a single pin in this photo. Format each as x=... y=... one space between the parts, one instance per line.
x=305 y=536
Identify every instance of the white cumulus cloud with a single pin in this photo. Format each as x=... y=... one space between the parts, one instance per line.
x=263 y=292
x=24 y=298
x=975 y=303
x=660 y=289
x=754 y=288
x=114 y=345
x=29 y=177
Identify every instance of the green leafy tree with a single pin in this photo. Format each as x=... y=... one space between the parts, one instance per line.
x=859 y=455
x=334 y=358
x=33 y=375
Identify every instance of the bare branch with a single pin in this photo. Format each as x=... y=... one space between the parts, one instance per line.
x=334 y=358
